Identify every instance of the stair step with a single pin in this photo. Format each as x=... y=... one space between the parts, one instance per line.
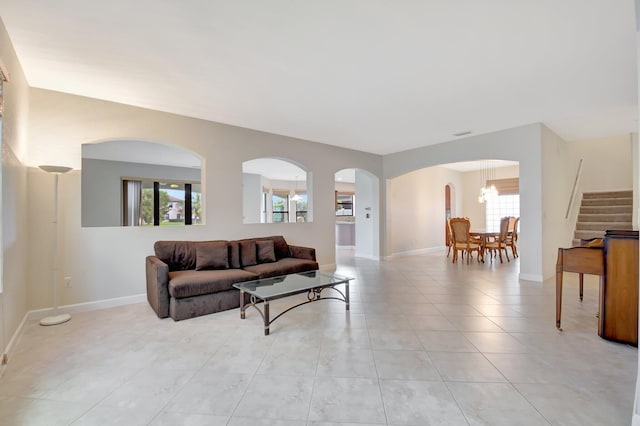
x=602 y=226
x=584 y=235
x=608 y=194
x=615 y=217
x=605 y=209
x=626 y=201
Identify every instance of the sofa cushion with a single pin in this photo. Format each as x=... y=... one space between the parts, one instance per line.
x=194 y=283
x=178 y=255
x=234 y=254
x=265 y=251
x=280 y=246
x=211 y=255
x=288 y=265
x=248 y=253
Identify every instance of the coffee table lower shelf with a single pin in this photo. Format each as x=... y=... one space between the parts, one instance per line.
x=312 y=283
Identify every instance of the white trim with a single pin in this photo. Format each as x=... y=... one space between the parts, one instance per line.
x=371 y=257
x=414 y=252
x=88 y=306
x=68 y=309
x=531 y=277
x=635 y=420
x=13 y=342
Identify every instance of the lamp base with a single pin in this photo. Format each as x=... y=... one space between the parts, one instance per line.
x=56 y=319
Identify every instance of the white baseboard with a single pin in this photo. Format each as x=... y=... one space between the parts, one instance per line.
x=88 y=306
x=67 y=309
x=415 y=252
x=531 y=277
x=377 y=258
x=8 y=351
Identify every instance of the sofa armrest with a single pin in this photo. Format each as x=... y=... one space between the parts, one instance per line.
x=307 y=253
x=158 y=285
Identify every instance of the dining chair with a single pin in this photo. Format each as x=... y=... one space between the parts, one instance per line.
x=512 y=237
x=462 y=241
x=500 y=242
x=449 y=233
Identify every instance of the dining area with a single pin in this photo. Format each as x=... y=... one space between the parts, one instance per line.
x=463 y=241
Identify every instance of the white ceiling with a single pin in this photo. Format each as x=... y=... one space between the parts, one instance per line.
x=374 y=75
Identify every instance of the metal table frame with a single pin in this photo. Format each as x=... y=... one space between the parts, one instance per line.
x=313 y=295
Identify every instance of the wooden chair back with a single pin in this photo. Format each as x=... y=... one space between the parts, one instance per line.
x=460 y=229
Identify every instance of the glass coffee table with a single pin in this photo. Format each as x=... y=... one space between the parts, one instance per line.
x=268 y=289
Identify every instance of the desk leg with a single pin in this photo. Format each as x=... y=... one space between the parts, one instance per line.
x=266 y=317
x=346 y=294
x=559 y=289
x=241 y=304
x=581 y=281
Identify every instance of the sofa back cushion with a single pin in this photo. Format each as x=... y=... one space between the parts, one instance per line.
x=234 y=254
x=211 y=255
x=280 y=246
x=248 y=253
x=178 y=255
x=265 y=251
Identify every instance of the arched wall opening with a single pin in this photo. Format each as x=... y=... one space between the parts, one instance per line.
x=357 y=199
x=421 y=201
x=121 y=179
x=276 y=190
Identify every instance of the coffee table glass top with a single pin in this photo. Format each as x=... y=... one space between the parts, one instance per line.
x=271 y=288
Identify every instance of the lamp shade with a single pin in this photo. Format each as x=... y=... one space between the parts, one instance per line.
x=56 y=169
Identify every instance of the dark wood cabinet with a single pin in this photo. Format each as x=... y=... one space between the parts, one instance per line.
x=619 y=291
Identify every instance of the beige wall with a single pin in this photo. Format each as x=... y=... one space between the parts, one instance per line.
x=522 y=144
x=415 y=209
x=607 y=165
x=13 y=300
x=109 y=262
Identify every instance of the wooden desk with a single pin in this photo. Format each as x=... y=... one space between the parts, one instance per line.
x=616 y=262
x=619 y=295
x=581 y=259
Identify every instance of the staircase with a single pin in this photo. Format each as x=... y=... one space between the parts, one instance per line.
x=600 y=211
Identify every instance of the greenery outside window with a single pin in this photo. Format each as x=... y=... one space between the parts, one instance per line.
x=301 y=207
x=154 y=203
x=280 y=202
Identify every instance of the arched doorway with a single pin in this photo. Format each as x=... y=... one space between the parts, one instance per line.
x=358 y=211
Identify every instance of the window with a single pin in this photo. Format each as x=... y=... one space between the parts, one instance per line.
x=301 y=208
x=280 y=202
x=499 y=207
x=153 y=203
x=344 y=204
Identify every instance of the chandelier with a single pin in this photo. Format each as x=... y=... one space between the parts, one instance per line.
x=487 y=192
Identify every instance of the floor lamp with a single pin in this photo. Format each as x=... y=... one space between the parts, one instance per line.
x=55 y=318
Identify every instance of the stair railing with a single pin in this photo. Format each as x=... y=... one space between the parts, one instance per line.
x=574 y=190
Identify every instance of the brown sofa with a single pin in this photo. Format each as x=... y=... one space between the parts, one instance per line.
x=186 y=279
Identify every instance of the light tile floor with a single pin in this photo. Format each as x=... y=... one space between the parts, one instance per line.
x=426 y=342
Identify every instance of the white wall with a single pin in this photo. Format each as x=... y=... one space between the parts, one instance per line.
x=556 y=190
x=14 y=296
x=251 y=198
x=367 y=214
x=636 y=405
x=109 y=262
x=521 y=144
x=416 y=209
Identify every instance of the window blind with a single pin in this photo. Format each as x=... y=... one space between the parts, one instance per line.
x=509 y=186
